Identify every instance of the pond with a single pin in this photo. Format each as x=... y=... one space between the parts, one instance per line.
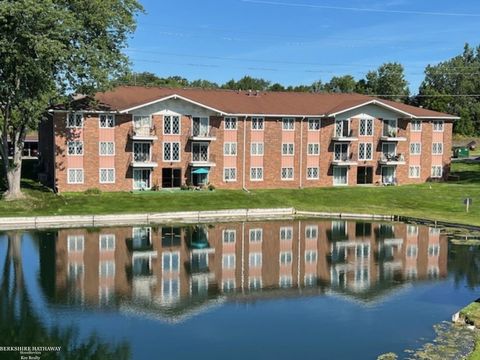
x=323 y=289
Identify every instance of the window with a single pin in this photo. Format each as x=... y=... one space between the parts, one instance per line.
x=171 y=261
x=365 y=151
x=107 y=120
x=256 y=235
x=437 y=148
x=313 y=149
x=415 y=148
x=230 y=148
x=414 y=171
x=75 y=147
x=340 y=175
x=257 y=123
x=416 y=125
x=288 y=149
x=171 y=125
x=412 y=251
x=228 y=261
x=311 y=256
x=75 y=243
x=285 y=257
x=107 y=242
x=433 y=250
x=311 y=232
x=106 y=268
x=285 y=281
x=107 y=148
x=75 y=120
x=438 y=125
x=287 y=173
x=286 y=233
x=288 y=124
x=412 y=230
x=229 y=174
x=313 y=124
x=229 y=236
x=256 y=149
x=171 y=151
x=366 y=127
x=75 y=176
x=254 y=283
x=390 y=128
x=313 y=173
x=228 y=285
x=255 y=259
x=256 y=173
x=310 y=280
x=230 y=123
x=107 y=176
x=437 y=171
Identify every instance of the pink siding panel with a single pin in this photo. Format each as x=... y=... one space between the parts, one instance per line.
x=106 y=135
x=257 y=136
x=288 y=136
x=437 y=136
x=415 y=160
x=230 y=161
x=256 y=161
x=255 y=271
x=106 y=161
x=415 y=136
x=230 y=135
x=313 y=161
x=288 y=161
x=229 y=247
x=437 y=159
x=75 y=162
x=313 y=136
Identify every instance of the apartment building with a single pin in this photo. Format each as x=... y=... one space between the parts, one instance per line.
x=140 y=138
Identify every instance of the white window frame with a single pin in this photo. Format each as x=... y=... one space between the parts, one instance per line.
x=434 y=174
x=170 y=117
x=417 y=127
x=230 y=170
x=284 y=256
x=229 y=261
x=315 y=147
x=416 y=146
x=106 y=238
x=309 y=173
x=366 y=120
x=438 y=125
x=100 y=176
x=365 y=146
x=257 y=146
x=257 y=235
x=230 y=120
x=227 y=235
x=286 y=121
x=170 y=255
x=171 y=151
x=258 y=120
x=310 y=230
x=257 y=258
x=75 y=114
x=257 y=168
x=76 y=239
x=312 y=122
x=109 y=267
x=290 y=147
x=309 y=258
x=100 y=148
x=75 y=182
x=284 y=231
x=230 y=148
x=435 y=148
x=346 y=176
x=286 y=178
x=107 y=116
x=416 y=173
x=76 y=144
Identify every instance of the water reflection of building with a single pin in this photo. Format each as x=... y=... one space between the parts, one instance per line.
x=179 y=270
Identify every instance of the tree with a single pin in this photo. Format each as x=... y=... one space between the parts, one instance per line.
x=388 y=81
x=276 y=87
x=247 y=83
x=204 y=84
x=341 y=84
x=51 y=48
x=450 y=86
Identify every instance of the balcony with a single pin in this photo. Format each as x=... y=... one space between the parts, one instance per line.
x=202 y=160
x=392 y=135
x=392 y=159
x=344 y=159
x=202 y=134
x=344 y=135
x=143 y=160
x=146 y=133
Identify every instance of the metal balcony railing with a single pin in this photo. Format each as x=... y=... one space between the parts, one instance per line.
x=143 y=131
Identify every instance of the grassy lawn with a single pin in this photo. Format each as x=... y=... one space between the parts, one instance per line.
x=472 y=312
x=440 y=201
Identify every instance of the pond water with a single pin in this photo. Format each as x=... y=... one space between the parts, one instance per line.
x=314 y=289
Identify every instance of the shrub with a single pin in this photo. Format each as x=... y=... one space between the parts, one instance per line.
x=93 y=191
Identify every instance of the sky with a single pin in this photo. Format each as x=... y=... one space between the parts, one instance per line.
x=295 y=42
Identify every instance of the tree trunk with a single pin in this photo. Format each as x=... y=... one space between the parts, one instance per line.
x=13 y=170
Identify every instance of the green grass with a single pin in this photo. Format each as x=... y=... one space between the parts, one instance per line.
x=472 y=312
x=440 y=201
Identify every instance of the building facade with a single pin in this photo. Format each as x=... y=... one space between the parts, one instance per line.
x=137 y=138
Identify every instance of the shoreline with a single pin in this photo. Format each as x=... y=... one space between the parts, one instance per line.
x=196 y=217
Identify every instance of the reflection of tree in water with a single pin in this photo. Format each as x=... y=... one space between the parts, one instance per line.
x=464 y=263
x=21 y=326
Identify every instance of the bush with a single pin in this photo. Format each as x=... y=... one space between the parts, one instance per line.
x=211 y=187
x=93 y=191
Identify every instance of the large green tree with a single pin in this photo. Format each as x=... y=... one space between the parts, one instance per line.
x=247 y=83
x=451 y=87
x=388 y=81
x=341 y=84
x=49 y=48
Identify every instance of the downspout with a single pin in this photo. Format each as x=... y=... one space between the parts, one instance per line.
x=244 y=151
x=301 y=152
x=54 y=153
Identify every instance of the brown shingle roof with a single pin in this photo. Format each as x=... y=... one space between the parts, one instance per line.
x=244 y=102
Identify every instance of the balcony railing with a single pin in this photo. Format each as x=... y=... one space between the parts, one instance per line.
x=201 y=159
x=143 y=132
x=344 y=158
x=393 y=159
x=344 y=134
x=143 y=160
x=392 y=134
x=202 y=132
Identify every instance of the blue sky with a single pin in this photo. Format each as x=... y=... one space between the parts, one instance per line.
x=299 y=41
